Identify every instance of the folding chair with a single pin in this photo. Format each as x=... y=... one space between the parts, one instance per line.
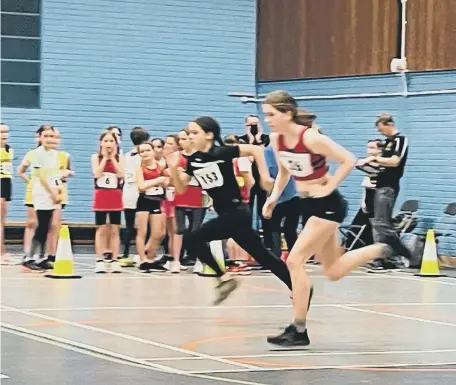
x=352 y=234
x=407 y=219
x=404 y=222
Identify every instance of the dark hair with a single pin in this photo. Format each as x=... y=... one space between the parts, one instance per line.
x=209 y=124
x=385 y=119
x=147 y=143
x=173 y=136
x=177 y=136
x=44 y=127
x=159 y=139
x=378 y=142
x=230 y=140
x=139 y=135
x=251 y=116
x=282 y=101
x=110 y=128
x=108 y=132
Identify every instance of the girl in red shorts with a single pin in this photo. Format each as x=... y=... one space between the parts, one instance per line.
x=108 y=171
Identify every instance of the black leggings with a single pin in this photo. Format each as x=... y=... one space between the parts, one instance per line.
x=289 y=213
x=261 y=196
x=195 y=218
x=234 y=223
x=44 y=218
x=130 y=215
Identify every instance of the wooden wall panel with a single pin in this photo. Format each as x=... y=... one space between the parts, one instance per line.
x=309 y=38
x=431 y=34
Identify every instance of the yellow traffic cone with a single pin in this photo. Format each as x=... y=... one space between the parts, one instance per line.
x=430 y=262
x=64 y=266
x=217 y=252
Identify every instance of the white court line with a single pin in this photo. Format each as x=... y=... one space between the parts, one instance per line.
x=408 y=277
x=424 y=320
x=129 y=337
x=112 y=356
x=322 y=367
x=232 y=307
x=84 y=348
x=444 y=280
x=309 y=353
x=85 y=277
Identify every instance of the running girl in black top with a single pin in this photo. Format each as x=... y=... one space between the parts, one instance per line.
x=212 y=167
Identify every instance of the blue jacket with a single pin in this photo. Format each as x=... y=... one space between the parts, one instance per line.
x=290 y=190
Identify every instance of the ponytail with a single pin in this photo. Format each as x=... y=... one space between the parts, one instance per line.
x=304 y=118
x=219 y=140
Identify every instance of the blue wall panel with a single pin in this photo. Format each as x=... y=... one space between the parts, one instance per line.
x=429 y=121
x=138 y=62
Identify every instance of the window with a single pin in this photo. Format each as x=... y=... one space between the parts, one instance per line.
x=20 y=53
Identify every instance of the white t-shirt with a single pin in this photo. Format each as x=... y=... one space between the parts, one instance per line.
x=49 y=162
x=244 y=164
x=130 y=190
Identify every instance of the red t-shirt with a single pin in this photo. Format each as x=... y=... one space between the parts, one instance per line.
x=193 y=196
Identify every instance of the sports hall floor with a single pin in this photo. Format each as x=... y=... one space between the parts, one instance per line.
x=132 y=328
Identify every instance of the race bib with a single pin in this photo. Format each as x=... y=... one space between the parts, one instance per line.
x=298 y=164
x=108 y=180
x=54 y=181
x=209 y=177
x=155 y=191
x=6 y=168
x=170 y=193
x=130 y=177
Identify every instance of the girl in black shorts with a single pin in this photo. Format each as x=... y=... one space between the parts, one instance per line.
x=212 y=167
x=151 y=186
x=303 y=153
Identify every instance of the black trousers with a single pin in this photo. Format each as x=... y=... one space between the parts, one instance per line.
x=130 y=233
x=285 y=219
x=384 y=231
x=44 y=218
x=234 y=223
x=261 y=196
x=195 y=218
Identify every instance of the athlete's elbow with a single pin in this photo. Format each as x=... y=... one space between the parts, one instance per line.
x=350 y=161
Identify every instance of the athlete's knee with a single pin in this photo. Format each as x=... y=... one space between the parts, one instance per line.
x=115 y=229
x=295 y=261
x=332 y=272
x=31 y=223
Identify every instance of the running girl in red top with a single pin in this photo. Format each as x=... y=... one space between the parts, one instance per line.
x=108 y=172
x=302 y=153
x=151 y=183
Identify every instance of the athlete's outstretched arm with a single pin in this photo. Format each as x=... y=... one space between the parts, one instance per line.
x=283 y=175
x=179 y=179
x=258 y=153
